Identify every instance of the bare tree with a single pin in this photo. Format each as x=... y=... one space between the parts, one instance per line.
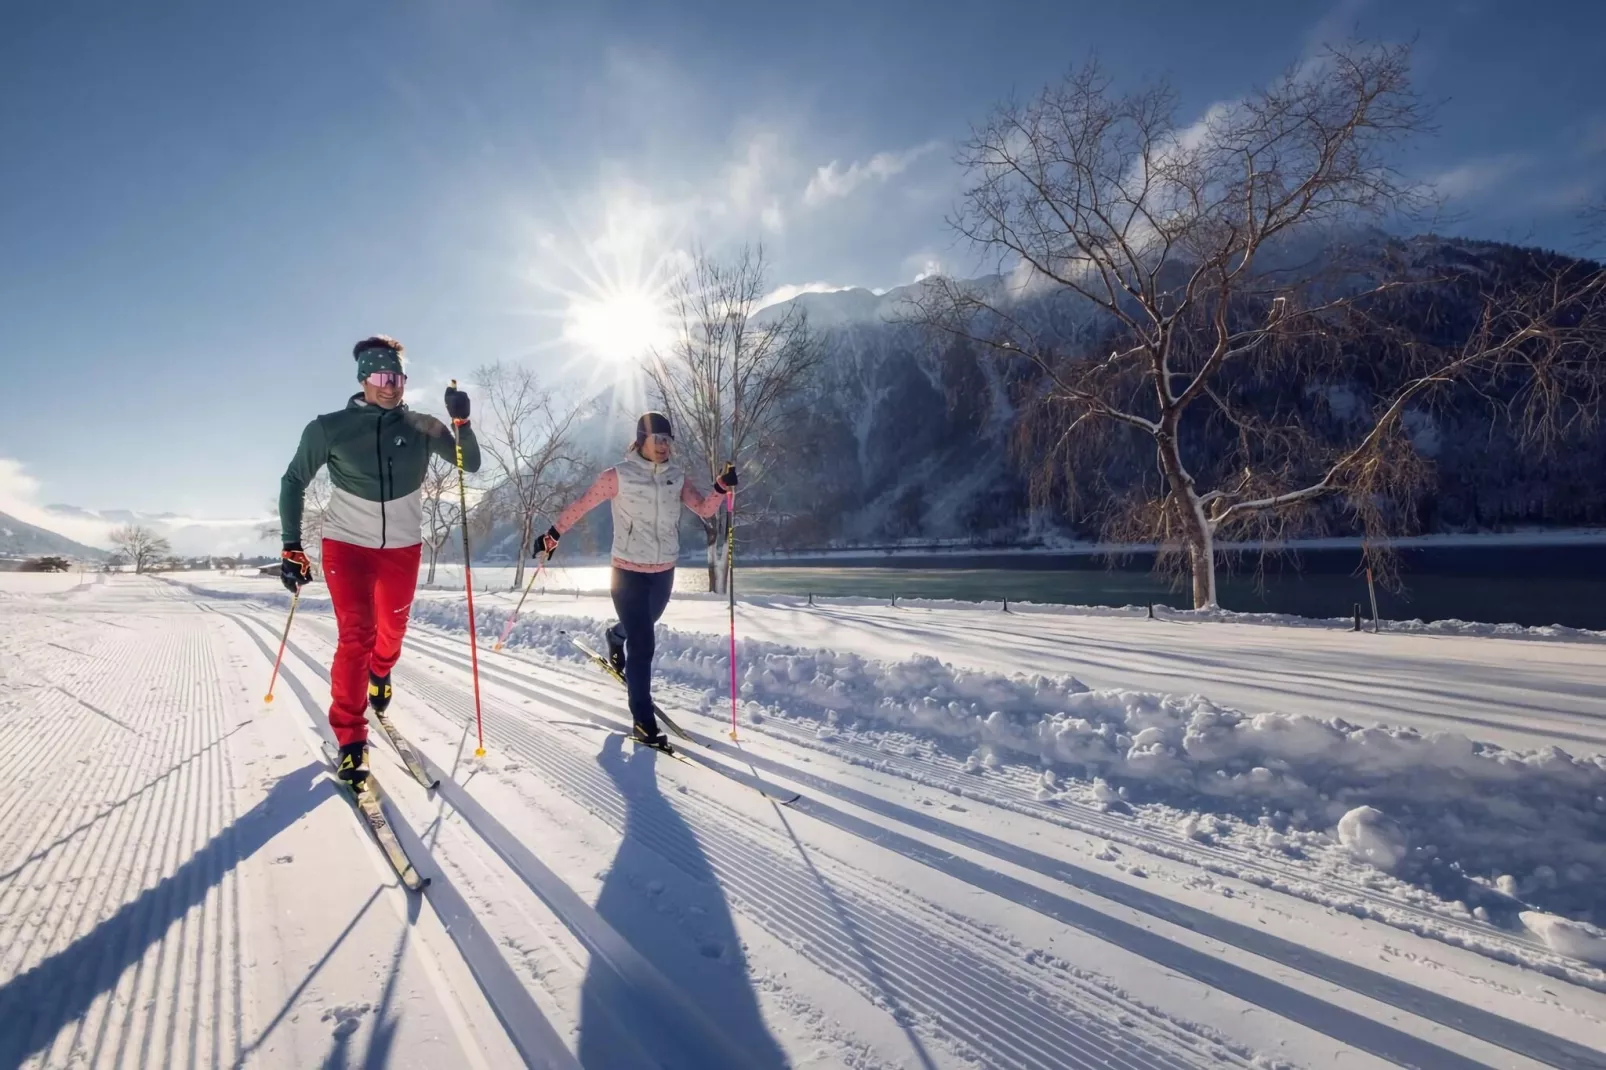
x=442 y=510
x=314 y=508
x=530 y=437
x=729 y=381
x=141 y=546
x=1182 y=252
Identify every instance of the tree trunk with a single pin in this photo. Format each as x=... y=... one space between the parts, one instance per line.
x=1196 y=530
x=714 y=577
x=524 y=540
x=1202 y=561
x=434 y=552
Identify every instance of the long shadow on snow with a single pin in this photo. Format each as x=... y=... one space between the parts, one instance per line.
x=62 y=988
x=691 y=939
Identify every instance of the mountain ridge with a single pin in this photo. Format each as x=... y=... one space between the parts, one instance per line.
x=18 y=538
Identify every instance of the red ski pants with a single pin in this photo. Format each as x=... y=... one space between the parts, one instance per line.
x=372 y=591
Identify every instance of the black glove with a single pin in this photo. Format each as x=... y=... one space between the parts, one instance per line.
x=295 y=571
x=456 y=405
x=727 y=480
x=547 y=543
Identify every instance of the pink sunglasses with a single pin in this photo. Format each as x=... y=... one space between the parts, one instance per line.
x=386 y=380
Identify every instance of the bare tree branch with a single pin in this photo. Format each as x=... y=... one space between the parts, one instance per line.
x=529 y=436
x=1181 y=251
x=731 y=377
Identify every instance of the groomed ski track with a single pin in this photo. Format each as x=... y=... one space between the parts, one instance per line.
x=180 y=883
x=637 y=911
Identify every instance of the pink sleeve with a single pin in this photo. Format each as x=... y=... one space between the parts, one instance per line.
x=606 y=486
x=699 y=503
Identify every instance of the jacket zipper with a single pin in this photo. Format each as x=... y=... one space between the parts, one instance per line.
x=657 y=514
x=379 y=454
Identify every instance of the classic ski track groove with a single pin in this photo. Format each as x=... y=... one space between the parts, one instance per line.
x=1004 y=789
x=986 y=1001
x=526 y=1025
x=1422 y=1003
x=943 y=772
x=156 y=988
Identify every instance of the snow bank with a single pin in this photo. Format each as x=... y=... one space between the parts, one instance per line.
x=1504 y=830
x=1570 y=938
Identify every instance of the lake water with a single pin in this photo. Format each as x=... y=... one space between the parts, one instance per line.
x=1530 y=585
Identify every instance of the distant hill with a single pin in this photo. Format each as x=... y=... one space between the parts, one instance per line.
x=909 y=439
x=189 y=536
x=19 y=539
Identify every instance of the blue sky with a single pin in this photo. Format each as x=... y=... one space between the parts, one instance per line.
x=202 y=205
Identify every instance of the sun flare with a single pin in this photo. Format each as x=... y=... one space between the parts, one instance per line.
x=618 y=325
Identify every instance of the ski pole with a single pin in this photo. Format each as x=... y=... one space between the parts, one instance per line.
x=730 y=585
x=283 y=639
x=468 y=583
x=508 y=627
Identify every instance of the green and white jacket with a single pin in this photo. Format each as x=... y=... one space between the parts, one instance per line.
x=377 y=459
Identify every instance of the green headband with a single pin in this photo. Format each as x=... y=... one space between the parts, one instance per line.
x=377 y=360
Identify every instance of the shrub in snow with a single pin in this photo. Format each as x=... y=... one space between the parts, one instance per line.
x=1373 y=838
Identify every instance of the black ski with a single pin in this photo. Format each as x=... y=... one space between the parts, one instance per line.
x=370 y=804
x=409 y=754
x=603 y=664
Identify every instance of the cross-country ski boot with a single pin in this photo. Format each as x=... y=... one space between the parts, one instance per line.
x=650 y=738
x=378 y=692
x=616 y=649
x=352 y=765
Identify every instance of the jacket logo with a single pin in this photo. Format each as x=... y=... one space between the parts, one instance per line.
x=400 y=441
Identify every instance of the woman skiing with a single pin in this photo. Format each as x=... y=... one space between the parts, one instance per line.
x=647 y=489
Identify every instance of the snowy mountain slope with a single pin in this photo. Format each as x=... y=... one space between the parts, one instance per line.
x=21 y=539
x=918 y=907
x=909 y=436
x=189 y=536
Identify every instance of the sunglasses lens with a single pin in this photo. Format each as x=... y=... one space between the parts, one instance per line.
x=387 y=380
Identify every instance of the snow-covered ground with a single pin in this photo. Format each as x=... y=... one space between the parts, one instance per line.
x=1041 y=839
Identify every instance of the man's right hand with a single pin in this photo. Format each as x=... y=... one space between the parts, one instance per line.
x=547 y=543
x=295 y=571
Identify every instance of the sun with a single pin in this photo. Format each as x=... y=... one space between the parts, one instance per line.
x=618 y=324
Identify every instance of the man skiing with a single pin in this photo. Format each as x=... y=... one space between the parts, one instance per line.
x=377 y=451
x=647 y=489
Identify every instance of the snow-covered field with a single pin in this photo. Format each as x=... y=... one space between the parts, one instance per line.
x=1042 y=839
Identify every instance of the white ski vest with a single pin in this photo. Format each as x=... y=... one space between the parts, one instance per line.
x=646 y=511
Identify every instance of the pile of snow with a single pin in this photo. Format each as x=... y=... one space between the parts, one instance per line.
x=1570 y=938
x=1372 y=837
x=1472 y=819
x=1508 y=829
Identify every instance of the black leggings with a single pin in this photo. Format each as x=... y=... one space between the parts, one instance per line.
x=640 y=599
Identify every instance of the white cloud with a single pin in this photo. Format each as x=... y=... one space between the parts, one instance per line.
x=751 y=178
x=19 y=497
x=1592 y=142
x=789 y=291
x=1478 y=176
x=834 y=181
x=1336 y=26
x=190 y=536
x=924 y=264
